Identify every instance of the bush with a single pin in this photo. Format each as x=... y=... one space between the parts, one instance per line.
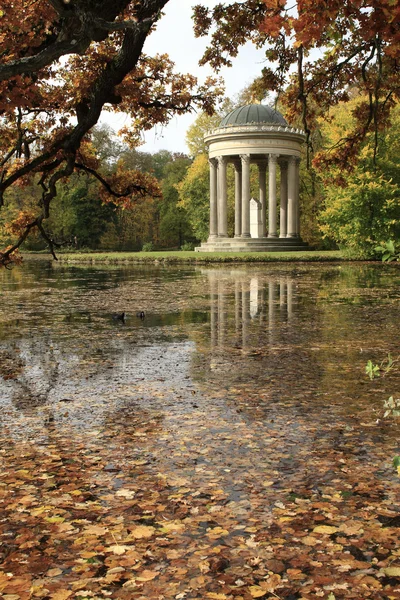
x=188 y=247
x=148 y=247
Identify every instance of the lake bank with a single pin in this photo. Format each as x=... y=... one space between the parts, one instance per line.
x=175 y=257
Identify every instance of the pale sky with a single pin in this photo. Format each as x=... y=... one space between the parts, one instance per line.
x=174 y=35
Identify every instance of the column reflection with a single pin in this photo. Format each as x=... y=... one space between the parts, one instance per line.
x=246 y=307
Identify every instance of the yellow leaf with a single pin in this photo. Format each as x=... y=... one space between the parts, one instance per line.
x=147 y=575
x=173 y=527
x=53 y=572
x=128 y=494
x=55 y=519
x=392 y=571
x=35 y=512
x=95 y=530
x=142 y=531
x=117 y=549
x=217 y=531
x=256 y=591
x=215 y=596
x=309 y=540
x=61 y=595
x=325 y=529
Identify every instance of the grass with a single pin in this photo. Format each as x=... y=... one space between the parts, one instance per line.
x=200 y=257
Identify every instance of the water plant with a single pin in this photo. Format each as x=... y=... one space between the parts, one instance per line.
x=375 y=370
x=390 y=251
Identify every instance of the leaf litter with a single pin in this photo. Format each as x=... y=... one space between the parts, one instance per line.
x=192 y=456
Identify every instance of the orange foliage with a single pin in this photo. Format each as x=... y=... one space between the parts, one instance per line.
x=358 y=43
x=62 y=64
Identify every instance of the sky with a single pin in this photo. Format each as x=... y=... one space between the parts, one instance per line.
x=174 y=35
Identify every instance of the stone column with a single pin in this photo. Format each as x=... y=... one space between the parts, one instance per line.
x=213 y=200
x=222 y=198
x=292 y=198
x=272 y=233
x=262 y=187
x=245 y=158
x=238 y=199
x=284 y=198
x=297 y=176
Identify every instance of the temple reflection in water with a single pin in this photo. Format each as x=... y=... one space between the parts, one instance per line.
x=243 y=304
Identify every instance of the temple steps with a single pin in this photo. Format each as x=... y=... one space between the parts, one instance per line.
x=254 y=245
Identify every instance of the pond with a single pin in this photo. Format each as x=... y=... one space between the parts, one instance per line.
x=227 y=445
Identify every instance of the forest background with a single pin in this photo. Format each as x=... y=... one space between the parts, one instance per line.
x=346 y=102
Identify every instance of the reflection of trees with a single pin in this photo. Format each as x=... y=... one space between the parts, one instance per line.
x=38 y=376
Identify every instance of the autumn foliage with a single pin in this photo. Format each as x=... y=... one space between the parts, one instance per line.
x=317 y=51
x=63 y=63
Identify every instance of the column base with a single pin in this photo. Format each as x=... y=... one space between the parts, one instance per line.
x=245 y=235
x=272 y=235
x=238 y=236
x=283 y=236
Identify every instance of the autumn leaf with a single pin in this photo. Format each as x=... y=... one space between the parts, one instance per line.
x=392 y=571
x=147 y=575
x=128 y=494
x=256 y=591
x=118 y=549
x=328 y=529
x=142 y=531
x=61 y=594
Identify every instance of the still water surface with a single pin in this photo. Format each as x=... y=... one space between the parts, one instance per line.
x=241 y=393
x=283 y=333
x=277 y=340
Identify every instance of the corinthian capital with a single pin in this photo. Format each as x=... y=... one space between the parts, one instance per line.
x=245 y=158
x=222 y=161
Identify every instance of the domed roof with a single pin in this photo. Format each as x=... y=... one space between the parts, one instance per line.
x=253 y=113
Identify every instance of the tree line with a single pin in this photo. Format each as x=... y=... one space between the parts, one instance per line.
x=64 y=62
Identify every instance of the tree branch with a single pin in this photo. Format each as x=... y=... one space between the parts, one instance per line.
x=130 y=189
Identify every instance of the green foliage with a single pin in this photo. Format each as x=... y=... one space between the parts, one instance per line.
x=359 y=215
x=389 y=250
x=396 y=462
x=79 y=217
x=188 y=247
x=174 y=226
x=361 y=205
x=148 y=247
x=375 y=370
x=194 y=196
x=372 y=370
